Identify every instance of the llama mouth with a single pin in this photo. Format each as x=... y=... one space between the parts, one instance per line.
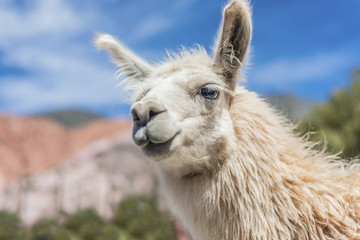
x=160 y=151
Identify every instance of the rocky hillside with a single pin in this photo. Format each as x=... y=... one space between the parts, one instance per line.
x=31 y=144
x=98 y=177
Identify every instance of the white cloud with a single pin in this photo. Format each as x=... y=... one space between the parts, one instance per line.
x=63 y=71
x=306 y=69
x=42 y=19
x=51 y=41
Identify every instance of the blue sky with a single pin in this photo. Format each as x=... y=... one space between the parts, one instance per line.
x=47 y=62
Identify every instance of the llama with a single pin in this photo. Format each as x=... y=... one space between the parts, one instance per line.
x=230 y=166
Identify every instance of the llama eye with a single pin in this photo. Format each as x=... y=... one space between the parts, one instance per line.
x=209 y=93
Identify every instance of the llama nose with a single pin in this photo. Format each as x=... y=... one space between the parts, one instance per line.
x=143 y=112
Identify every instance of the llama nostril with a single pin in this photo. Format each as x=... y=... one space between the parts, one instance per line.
x=143 y=112
x=153 y=113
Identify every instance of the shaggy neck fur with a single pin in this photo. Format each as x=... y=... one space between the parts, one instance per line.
x=269 y=184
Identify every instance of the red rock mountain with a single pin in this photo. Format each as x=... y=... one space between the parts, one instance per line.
x=31 y=144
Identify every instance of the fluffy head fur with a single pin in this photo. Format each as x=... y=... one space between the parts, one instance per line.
x=230 y=166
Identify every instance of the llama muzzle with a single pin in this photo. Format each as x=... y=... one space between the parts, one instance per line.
x=154 y=127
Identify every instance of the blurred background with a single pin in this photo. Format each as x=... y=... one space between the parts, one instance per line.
x=68 y=168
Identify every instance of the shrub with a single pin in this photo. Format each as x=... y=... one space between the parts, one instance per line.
x=83 y=219
x=337 y=123
x=109 y=232
x=90 y=230
x=10 y=228
x=49 y=230
x=142 y=220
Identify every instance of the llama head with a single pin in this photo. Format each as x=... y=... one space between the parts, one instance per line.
x=180 y=107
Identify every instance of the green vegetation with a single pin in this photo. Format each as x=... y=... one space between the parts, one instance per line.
x=337 y=123
x=136 y=218
x=48 y=230
x=10 y=227
x=143 y=221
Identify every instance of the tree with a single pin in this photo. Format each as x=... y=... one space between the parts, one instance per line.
x=337 y=123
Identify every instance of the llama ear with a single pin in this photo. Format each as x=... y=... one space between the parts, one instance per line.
x=128 y=62
x=234 y=40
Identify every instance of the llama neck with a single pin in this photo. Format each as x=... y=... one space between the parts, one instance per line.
x=241 y=200
x=250 y=188
x=245 y=188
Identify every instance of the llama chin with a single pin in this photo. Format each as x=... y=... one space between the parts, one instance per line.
x=230 y=166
